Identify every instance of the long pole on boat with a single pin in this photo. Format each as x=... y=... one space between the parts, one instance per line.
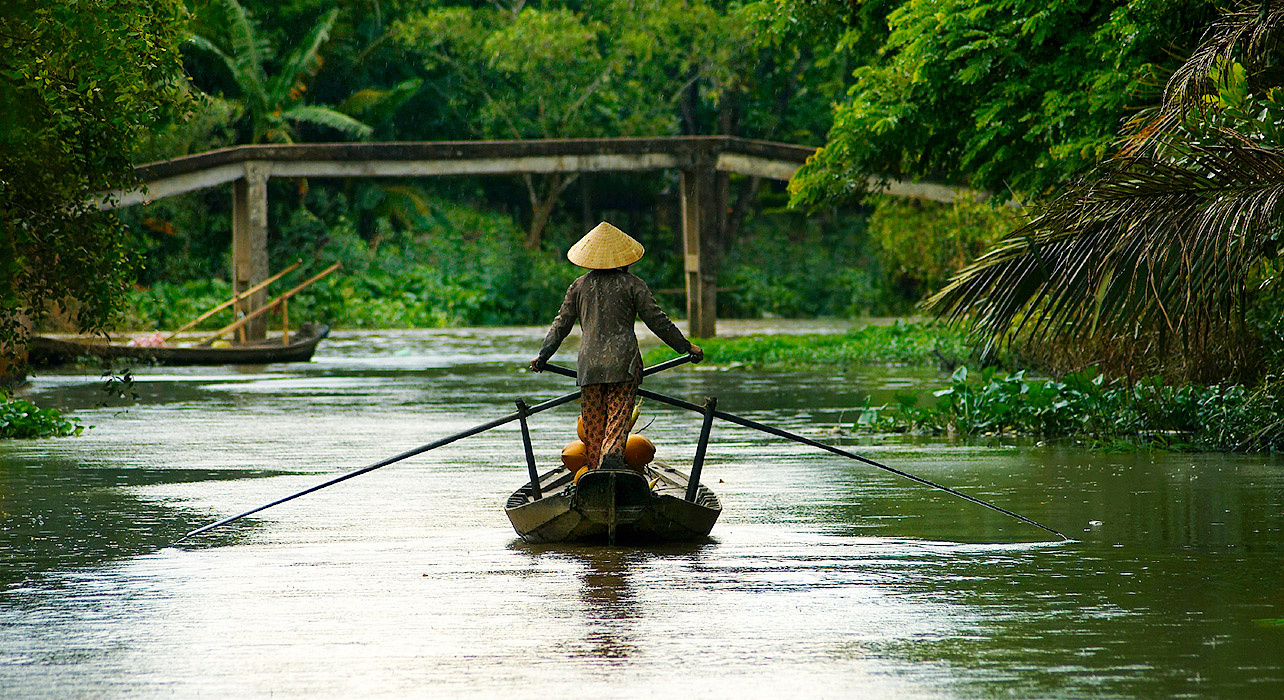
x=239 y=297
x=710 y=410
x=272 y=304
x=519 y=415
x=552 y=403
x=840 y=451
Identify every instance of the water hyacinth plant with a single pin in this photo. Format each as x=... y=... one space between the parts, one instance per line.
x=1086 y=406
x=23 y=419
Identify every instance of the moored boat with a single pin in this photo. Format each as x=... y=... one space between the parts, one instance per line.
x=614 y=506
x=46 y=350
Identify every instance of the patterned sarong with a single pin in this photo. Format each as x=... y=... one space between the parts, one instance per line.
x=607 y=410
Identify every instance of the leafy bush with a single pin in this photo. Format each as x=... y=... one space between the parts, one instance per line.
x=922 y=244
x=23 y=419
x=1085 y=405
x=788 y=265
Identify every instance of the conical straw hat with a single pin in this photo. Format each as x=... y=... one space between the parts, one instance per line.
x=604 y=248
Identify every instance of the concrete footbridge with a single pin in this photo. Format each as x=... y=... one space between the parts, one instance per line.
x=697 y=159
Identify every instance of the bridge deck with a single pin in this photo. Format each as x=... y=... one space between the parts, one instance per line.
x=697 y=158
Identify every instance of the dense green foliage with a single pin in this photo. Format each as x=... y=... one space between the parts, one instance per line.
x=453 y=70
x=22 y=419
x=79 y=81
x=1006 y=96
x=793 y=266
x=1170 y=248
x=1086 y=406
x=898 y=343
x=555 y=73
x=921 y=244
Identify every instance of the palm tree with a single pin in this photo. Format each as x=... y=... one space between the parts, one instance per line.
x=273 y=104
x=1160 y=244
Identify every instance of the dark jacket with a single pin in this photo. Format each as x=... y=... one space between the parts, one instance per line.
x=606 y=302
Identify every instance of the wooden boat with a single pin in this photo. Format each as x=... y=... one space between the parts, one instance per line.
x=49 y=351
x=614 y=506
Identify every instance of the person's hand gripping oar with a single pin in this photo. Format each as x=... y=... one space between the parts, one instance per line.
x=551 y=403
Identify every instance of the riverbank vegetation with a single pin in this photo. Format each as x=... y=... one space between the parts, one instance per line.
x=901 y=343
x=1087 y=407
x=1150 y=249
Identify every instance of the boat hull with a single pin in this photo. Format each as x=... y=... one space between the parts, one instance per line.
x=51 y=351
x=614 y=507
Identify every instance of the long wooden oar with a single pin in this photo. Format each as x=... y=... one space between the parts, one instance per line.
x=646 y=372
x=551 y=403
x=840 y=451
x=732 y=418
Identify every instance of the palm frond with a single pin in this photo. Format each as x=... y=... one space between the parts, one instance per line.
x=377 y=106
x=1147 y=243
x=248 y=52
x=324 y=116
x=1251 y=35
x=234 y=66
x=304 y=60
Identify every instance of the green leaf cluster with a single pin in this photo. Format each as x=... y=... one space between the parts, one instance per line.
x=21 y=419
x=1009 y=96
x=273 y=102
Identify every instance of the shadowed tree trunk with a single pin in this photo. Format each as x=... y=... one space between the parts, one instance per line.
x=543 y=192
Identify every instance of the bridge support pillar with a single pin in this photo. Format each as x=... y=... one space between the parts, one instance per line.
x=699 y=219
x=249 y=243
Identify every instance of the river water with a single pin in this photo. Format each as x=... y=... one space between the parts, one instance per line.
x=825 y=578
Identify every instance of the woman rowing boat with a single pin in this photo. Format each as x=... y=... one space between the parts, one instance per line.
x=606 y=301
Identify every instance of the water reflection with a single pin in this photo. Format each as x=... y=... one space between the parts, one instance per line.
x=57 y=515
x=825 y=577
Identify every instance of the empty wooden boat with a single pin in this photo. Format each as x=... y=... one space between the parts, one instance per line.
x=50 y=351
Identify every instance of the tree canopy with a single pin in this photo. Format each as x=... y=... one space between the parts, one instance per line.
x=274 y=103
x=79 y=80
x=1009 y=96
x=608 y=69
x=1170 y=242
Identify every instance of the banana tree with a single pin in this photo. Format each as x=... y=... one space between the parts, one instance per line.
x=274 y=104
